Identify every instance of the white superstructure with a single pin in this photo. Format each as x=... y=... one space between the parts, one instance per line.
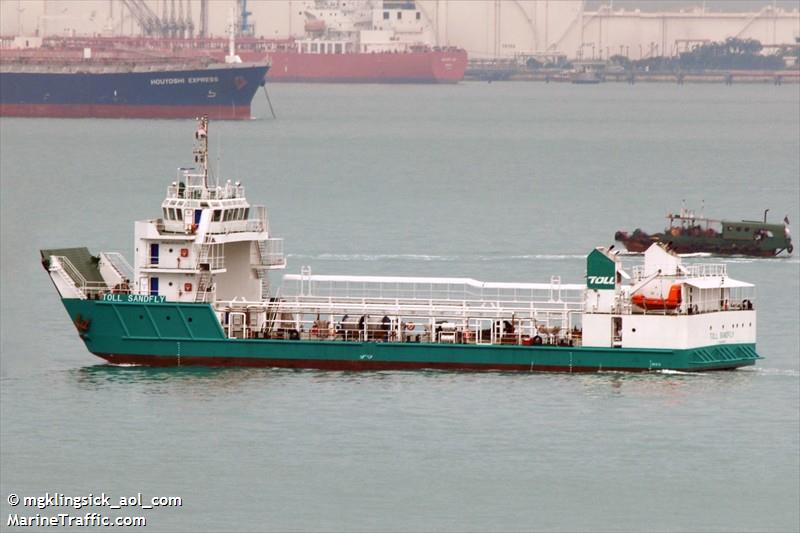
x=209 y=243
x=363 y=26
x=664 y=304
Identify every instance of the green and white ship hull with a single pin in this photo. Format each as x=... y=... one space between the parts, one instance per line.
x=199 y=294
x=166 y=334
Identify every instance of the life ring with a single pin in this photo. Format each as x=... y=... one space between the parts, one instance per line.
x=469 y=334
x=314 y=331
x=410 y=326
x=537 y=340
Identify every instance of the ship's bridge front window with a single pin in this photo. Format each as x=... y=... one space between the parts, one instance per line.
x=217 y=215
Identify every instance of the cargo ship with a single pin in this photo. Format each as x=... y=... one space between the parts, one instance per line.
x=365 y=42
x=345 y=42
x=198 y=293
x=689 y=233
x=129 y=90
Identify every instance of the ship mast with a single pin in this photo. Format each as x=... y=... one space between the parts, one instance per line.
x=201 y=147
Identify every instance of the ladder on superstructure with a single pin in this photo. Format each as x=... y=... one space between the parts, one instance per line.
x=203 y=284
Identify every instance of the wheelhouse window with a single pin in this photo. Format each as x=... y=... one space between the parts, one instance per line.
x=217 y=215
x=385 y=15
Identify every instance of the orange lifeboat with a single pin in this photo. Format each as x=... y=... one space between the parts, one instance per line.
x=315 y=26
x=672 y=301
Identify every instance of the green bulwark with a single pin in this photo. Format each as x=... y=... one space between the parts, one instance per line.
x=600 y=271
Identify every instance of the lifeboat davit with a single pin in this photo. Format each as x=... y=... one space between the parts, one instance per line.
x=672 y=301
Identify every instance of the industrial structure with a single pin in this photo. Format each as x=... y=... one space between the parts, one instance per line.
x=489 y=29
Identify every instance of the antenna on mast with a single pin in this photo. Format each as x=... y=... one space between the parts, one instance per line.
x=201 y=148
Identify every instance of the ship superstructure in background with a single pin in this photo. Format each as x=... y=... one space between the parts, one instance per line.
x=689 y=233
x=198 y=293
x=366 y=41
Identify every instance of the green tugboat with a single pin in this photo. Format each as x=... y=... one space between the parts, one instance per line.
x=198 y=293
x=688 y=233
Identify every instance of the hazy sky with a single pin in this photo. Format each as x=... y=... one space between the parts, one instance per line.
x=90 y=16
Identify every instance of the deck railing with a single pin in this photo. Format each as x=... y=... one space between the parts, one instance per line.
x=191 y=185
x=268 y=254
x=280 y=320
x=697 y=270
x=87 y=289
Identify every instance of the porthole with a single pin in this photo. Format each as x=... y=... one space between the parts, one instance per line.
x=170 y=250
x=170 y=284
x=141 y=317
x=633 y=330
x=189 y=319
x=168 y=317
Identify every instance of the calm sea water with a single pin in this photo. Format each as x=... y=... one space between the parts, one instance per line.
x=500 y=181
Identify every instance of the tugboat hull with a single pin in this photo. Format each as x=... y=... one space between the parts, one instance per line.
x=640 y=241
